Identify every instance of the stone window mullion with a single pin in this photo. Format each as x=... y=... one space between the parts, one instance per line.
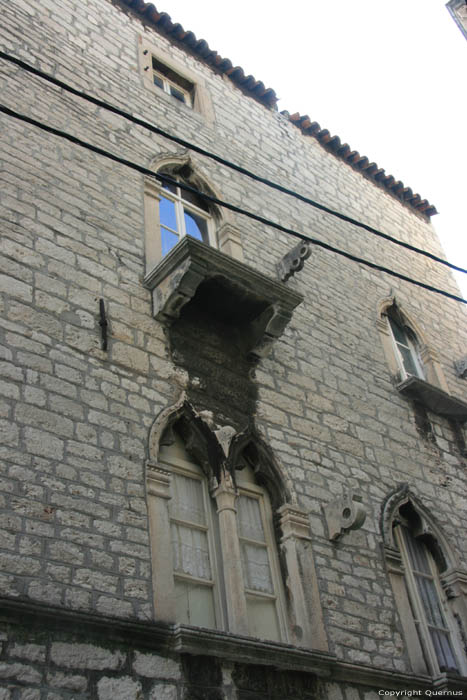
x=225 y=496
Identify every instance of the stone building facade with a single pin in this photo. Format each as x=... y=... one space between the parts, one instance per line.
x=219 y=479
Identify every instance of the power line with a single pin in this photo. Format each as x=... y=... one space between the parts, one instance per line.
x=220 y=202
x=223 y=161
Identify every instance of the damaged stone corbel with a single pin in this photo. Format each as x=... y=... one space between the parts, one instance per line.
x=344 y=514
x=293 y=261
x=461 y=368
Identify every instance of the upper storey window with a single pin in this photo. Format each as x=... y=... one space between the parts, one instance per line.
x=182 y=213
x=406 y=349
x=173 y=84
x=182 y=80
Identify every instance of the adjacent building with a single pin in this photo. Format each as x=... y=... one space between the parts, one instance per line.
x=233 y=460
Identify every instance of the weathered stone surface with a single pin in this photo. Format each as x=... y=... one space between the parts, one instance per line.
x=75 y=420
x=155 y=666
x=122 y=688
x=85 y=656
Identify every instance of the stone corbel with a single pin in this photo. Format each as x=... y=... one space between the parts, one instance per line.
x=293 y=261
x=461 y=368
x=344 y=514
x=304 y=605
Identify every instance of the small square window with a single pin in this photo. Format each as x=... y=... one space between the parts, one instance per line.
x=160 y=70
x=172 y=83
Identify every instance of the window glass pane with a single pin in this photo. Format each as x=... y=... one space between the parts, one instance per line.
x=408 y=360
x=417 y=553
x=190 y=551
x=168 y=240
x=431 y=602
x=167 y=214
x=249 y=518
x=196 y=226
x=194 y=604
x=256 y=569
x=399 y=333
x=168 y=187
x=194 y=199
x=158 y=80
x=262 y=618
x=187 y=501
x=443 y=649
x=178 y=94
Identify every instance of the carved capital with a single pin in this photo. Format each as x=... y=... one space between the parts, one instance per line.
x=343 y=514
x=294 y=523
x=158 y=480
x=225 y=494
x=454 y=583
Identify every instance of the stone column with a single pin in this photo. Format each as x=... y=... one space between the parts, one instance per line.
x=307 y=626
x=226 y=495
x=158 y=490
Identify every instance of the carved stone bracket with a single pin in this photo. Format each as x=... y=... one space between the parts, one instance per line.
x=259 y=307
x=344 y=514
x=293 y=261
x=461 y=368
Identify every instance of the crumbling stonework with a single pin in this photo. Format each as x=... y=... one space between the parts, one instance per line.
x=76 y=579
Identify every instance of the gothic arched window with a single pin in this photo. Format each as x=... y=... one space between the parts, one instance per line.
x=420 y=571
x=406 y=347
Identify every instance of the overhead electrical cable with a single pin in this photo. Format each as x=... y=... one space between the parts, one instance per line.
x=166 y=179
x=197 y=149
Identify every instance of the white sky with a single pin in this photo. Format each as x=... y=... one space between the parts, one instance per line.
x=389 y=78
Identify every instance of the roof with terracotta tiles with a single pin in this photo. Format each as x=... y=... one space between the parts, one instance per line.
x=267 y=96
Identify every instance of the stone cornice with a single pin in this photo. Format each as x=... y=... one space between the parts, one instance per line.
x=166 y=638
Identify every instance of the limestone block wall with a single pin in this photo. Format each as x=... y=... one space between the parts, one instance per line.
x=75 y=420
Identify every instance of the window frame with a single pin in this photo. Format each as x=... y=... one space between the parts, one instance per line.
x=417 y=607
x=427 y=356
x=411 y=345
x=253 y=490
x=181 y=206
x=168 y=82
x=193 y=471
x=177 y=73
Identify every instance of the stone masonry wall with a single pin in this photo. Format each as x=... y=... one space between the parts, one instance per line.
x=74 y=420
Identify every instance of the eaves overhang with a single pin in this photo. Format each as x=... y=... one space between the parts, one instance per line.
x=434 y=398
x=257 y=306
x=162 y=22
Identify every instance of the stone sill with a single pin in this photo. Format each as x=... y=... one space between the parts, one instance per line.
x=257 y=305
x=433 y=398
x=169 y=639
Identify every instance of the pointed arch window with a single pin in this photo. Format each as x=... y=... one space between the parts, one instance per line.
x=417 y=568
x=406 y=347
x=215 y=562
